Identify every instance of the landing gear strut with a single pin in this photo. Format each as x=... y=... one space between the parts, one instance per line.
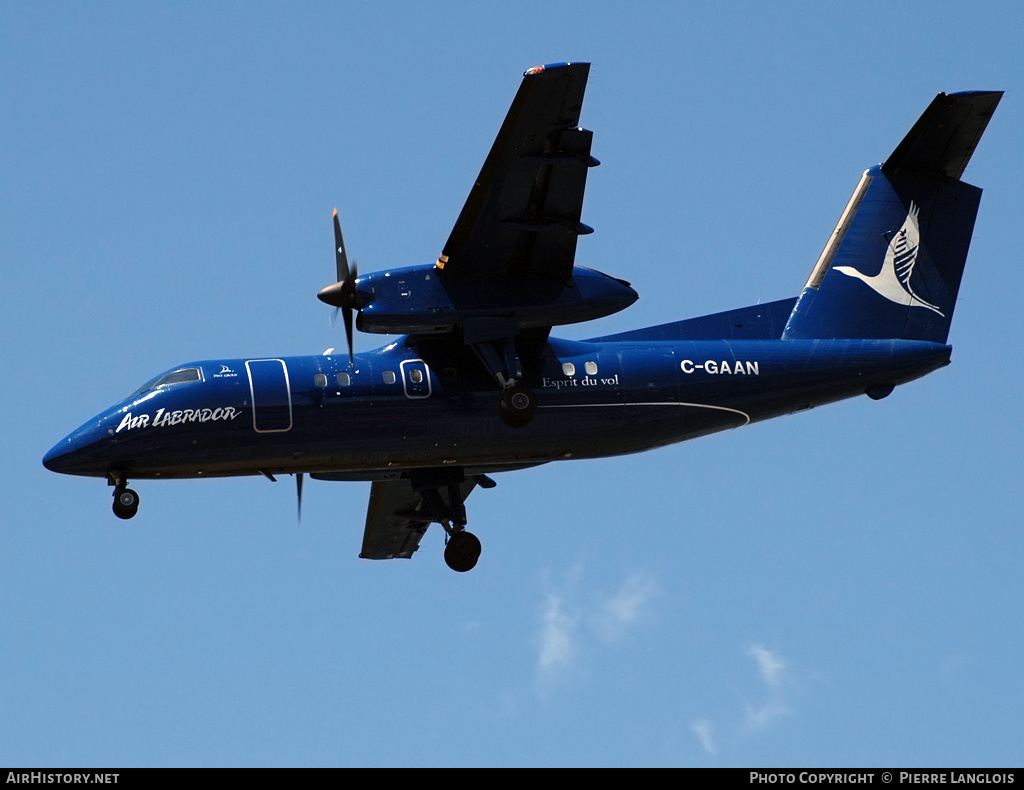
x=126 y=501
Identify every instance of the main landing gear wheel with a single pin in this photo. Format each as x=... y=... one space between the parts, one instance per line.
x=462 y=551
x=518 y=405
x=126 y=503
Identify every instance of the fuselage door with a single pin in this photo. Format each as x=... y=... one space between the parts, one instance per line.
x=415 y=378
x=271 y=395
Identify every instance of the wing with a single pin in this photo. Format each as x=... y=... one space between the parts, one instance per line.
x=523 y=213
x=398 y=517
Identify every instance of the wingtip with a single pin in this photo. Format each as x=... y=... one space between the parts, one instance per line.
x=553 y=66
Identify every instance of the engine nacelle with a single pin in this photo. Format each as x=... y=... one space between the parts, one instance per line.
x=424 y=300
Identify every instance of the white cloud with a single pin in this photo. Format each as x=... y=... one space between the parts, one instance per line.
x=773 y=670
x=557 y=642
x=626 y=607
x=769 y=664
x=768 y=705
x=766 y=714
x=569 y=628
x=702 y=729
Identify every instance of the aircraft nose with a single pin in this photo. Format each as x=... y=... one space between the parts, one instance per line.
x=55 y=460
x=65 y=457
x=79 y=453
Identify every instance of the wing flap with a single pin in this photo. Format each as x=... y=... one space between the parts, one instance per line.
x=397 y=518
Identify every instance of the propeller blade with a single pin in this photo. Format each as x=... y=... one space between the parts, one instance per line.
x=342 y=294
x=339 y=250
x=346 y=313
x=350 y=289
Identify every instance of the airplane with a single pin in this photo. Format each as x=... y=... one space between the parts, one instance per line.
x=476 y=385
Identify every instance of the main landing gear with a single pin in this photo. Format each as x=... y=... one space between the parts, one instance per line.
x=517 y=407
x=518 y=403
x=444 y=492
x=126 y=501
x=462 y=551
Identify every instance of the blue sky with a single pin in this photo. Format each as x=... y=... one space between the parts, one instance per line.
x=839 y=587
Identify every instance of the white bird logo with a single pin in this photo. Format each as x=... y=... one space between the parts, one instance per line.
x=893 y=281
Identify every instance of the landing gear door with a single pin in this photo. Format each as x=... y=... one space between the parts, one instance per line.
x=271 y=395
x=415 y=378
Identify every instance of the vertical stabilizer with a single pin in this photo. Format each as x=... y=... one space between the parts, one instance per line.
x=892 y=267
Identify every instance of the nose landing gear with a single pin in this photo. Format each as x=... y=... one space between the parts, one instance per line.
x=126 y=501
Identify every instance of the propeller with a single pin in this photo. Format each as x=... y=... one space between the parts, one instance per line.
x=342 y=295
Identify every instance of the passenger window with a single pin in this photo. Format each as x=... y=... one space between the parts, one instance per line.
x=450 y=374
x=591 y=368
x=389 y=377
x=320 y=380
x=416 y=376
x=344 y=380
x=569 y=369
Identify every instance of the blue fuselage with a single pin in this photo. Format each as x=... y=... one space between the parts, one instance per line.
x=431 y=404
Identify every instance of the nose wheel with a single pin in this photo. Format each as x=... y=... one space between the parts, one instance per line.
x=126 y=502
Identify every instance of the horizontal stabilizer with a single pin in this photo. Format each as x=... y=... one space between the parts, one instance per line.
x=945 y=136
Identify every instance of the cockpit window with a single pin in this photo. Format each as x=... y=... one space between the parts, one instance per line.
x=179 y=376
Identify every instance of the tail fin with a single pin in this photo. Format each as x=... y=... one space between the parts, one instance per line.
x=892 y=267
